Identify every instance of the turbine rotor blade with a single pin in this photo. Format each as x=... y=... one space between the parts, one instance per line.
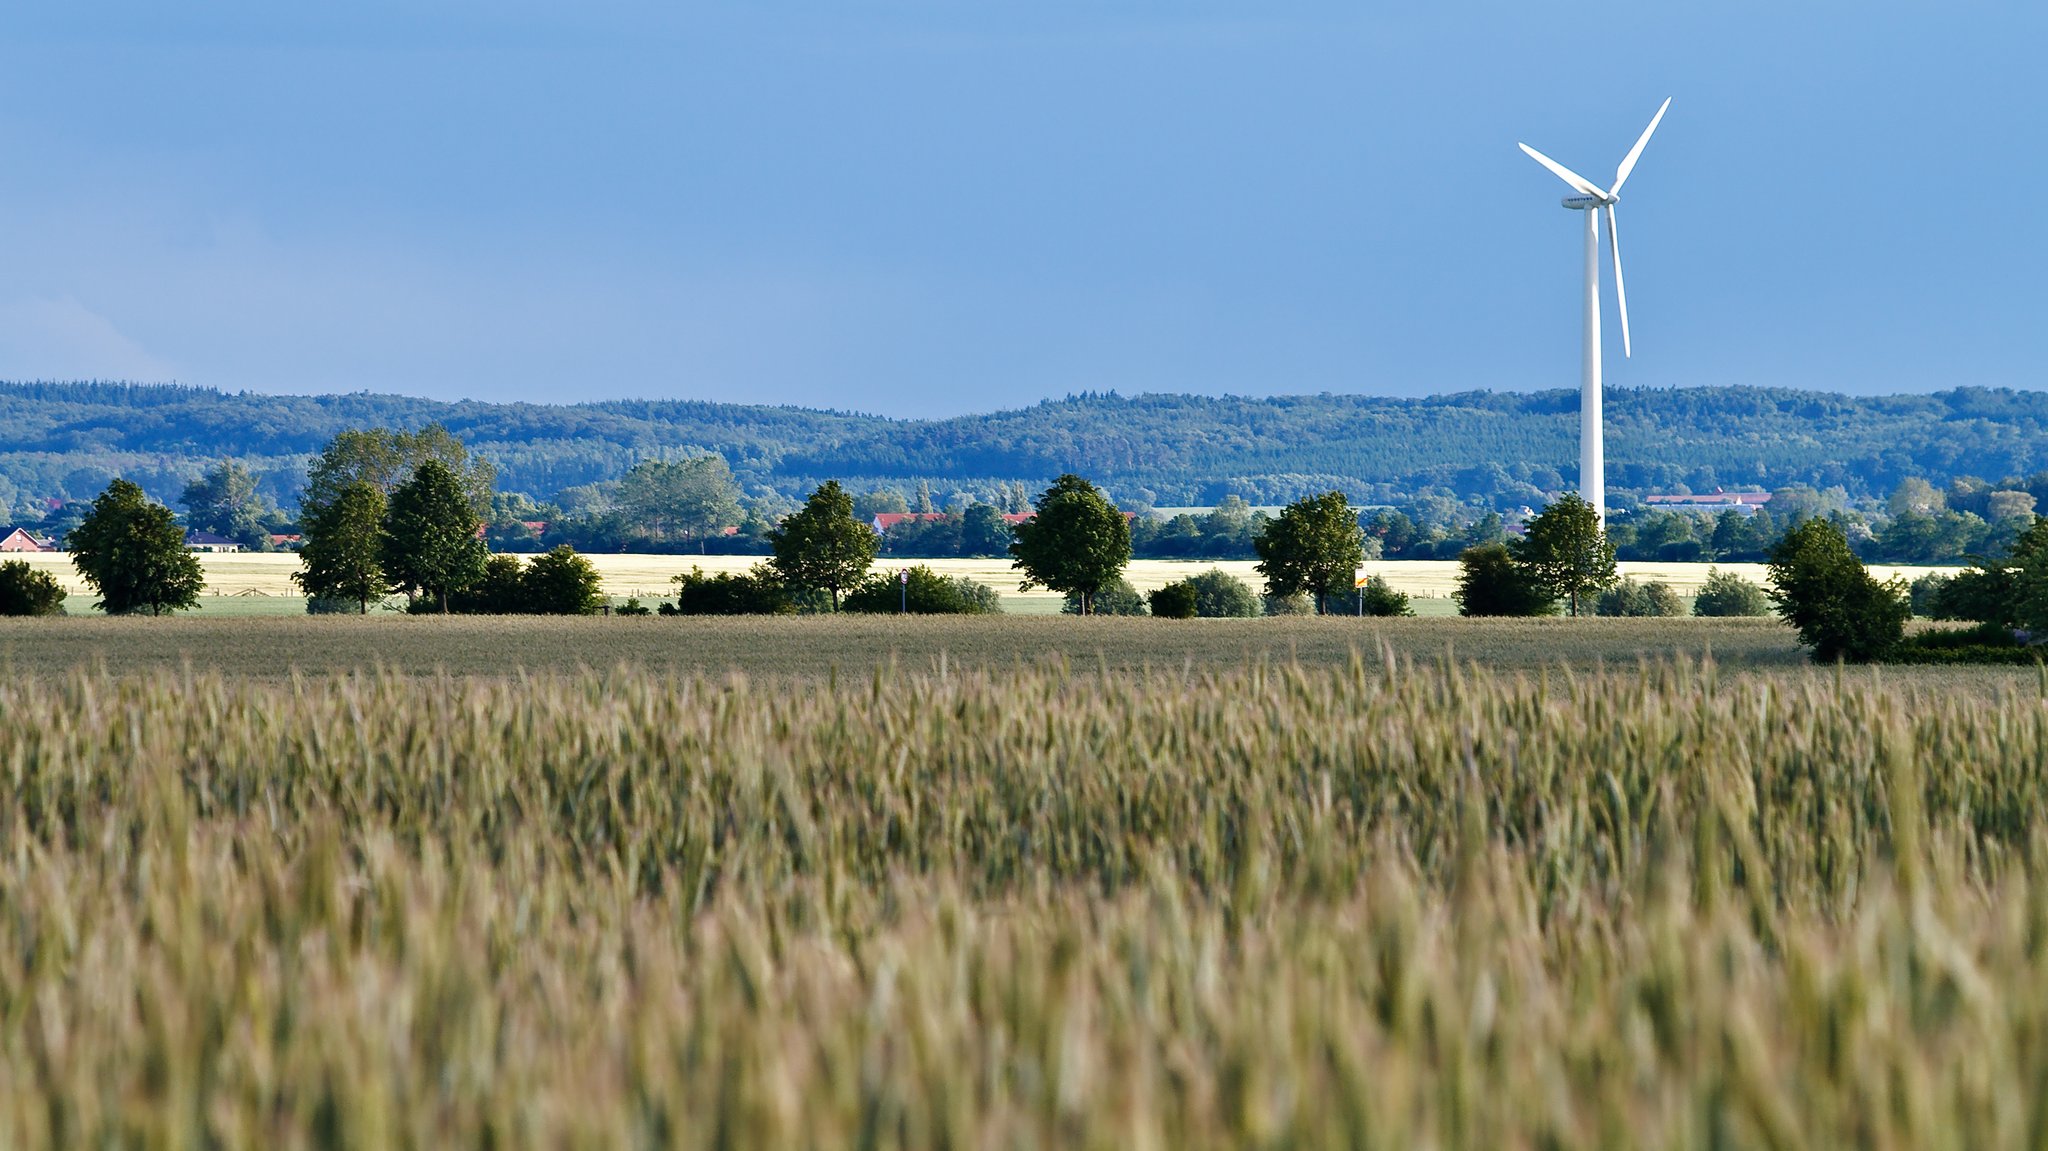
x=1628 y=162
x=1584 y=186
x=1620 y=291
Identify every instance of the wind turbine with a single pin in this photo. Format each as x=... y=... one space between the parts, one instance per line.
x=1592 y=201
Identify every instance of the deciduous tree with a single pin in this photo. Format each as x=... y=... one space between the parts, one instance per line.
x=430 y=542
x=384 y=459
x=1077 y=542
x=342 y=556
x=132 y=552
x=560 y=582
x=821 y=546
x=1838 y=607
x=1565 y=552
x=680 y=499
x=224 y=501
x=1315 y=547
x=1490 y=582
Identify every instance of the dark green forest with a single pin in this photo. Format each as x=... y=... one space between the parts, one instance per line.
x=64 y=441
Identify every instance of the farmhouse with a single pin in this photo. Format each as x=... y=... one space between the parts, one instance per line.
x=19 y=540
x=198 y=541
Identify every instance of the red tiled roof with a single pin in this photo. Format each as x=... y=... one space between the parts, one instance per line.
x=883 y=521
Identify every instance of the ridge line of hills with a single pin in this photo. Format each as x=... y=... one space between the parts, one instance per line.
x=65 y=440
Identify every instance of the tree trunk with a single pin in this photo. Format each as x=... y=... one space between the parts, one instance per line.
x=444 y=601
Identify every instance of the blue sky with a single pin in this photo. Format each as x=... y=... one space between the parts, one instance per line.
x=932 y=208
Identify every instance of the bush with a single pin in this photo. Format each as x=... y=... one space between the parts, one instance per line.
x=1980 y=594
x=1116 y=598
x=1633 y=598
x=1983 y=644
x=26 y=590
x=632 y=606
x=1296 y=604
x=331 y=605
x=1824 y=591
x=928 y=593
x=501 y=591
x=1174 y=601
x=1220 y=595
x=1379 y=598
x=1728 y=594
x=1491 y=582
x=754 y=592
x=559 y=582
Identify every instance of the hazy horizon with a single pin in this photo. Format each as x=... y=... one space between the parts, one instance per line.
x=911 y=209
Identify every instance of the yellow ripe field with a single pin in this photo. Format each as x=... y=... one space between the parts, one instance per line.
x=1431 y=582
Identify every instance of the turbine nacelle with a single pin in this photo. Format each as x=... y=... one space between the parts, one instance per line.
x=1592 y=197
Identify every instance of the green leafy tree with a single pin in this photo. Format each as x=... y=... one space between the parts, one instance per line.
x=1177 y=600
x=821 y=546
x=1379 y=598
x=1728 y=594
x=1565 y=552
x=342 y=556
x=983 y=532
x=1220 y=595
x=384 y=459
x=225 y=501
x=1077 y=542
x=2010 y=591
x=680 y=499
x=29 y=590
x=430 y=544
x=1838 y=607
x=132 y=553
x=560 y=582
x=1315 y=548
x=1491 y=582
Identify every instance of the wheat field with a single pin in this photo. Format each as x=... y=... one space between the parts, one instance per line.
x=260 y=583
x=1377 y=902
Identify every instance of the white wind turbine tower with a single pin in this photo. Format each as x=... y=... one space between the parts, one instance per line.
x=1592 y=201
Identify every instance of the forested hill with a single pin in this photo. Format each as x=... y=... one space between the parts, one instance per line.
x=65 y=440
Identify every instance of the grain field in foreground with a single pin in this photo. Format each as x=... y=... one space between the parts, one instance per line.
x=1365 y=903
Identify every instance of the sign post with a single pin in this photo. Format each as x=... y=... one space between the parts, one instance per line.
x=903 y=592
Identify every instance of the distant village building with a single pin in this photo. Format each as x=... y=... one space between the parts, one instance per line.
x=19 y=540
x=196 y=541
x=1712 y=503
x=883 y=521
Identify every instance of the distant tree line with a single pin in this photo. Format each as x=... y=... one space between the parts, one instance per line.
x=1443 y=462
